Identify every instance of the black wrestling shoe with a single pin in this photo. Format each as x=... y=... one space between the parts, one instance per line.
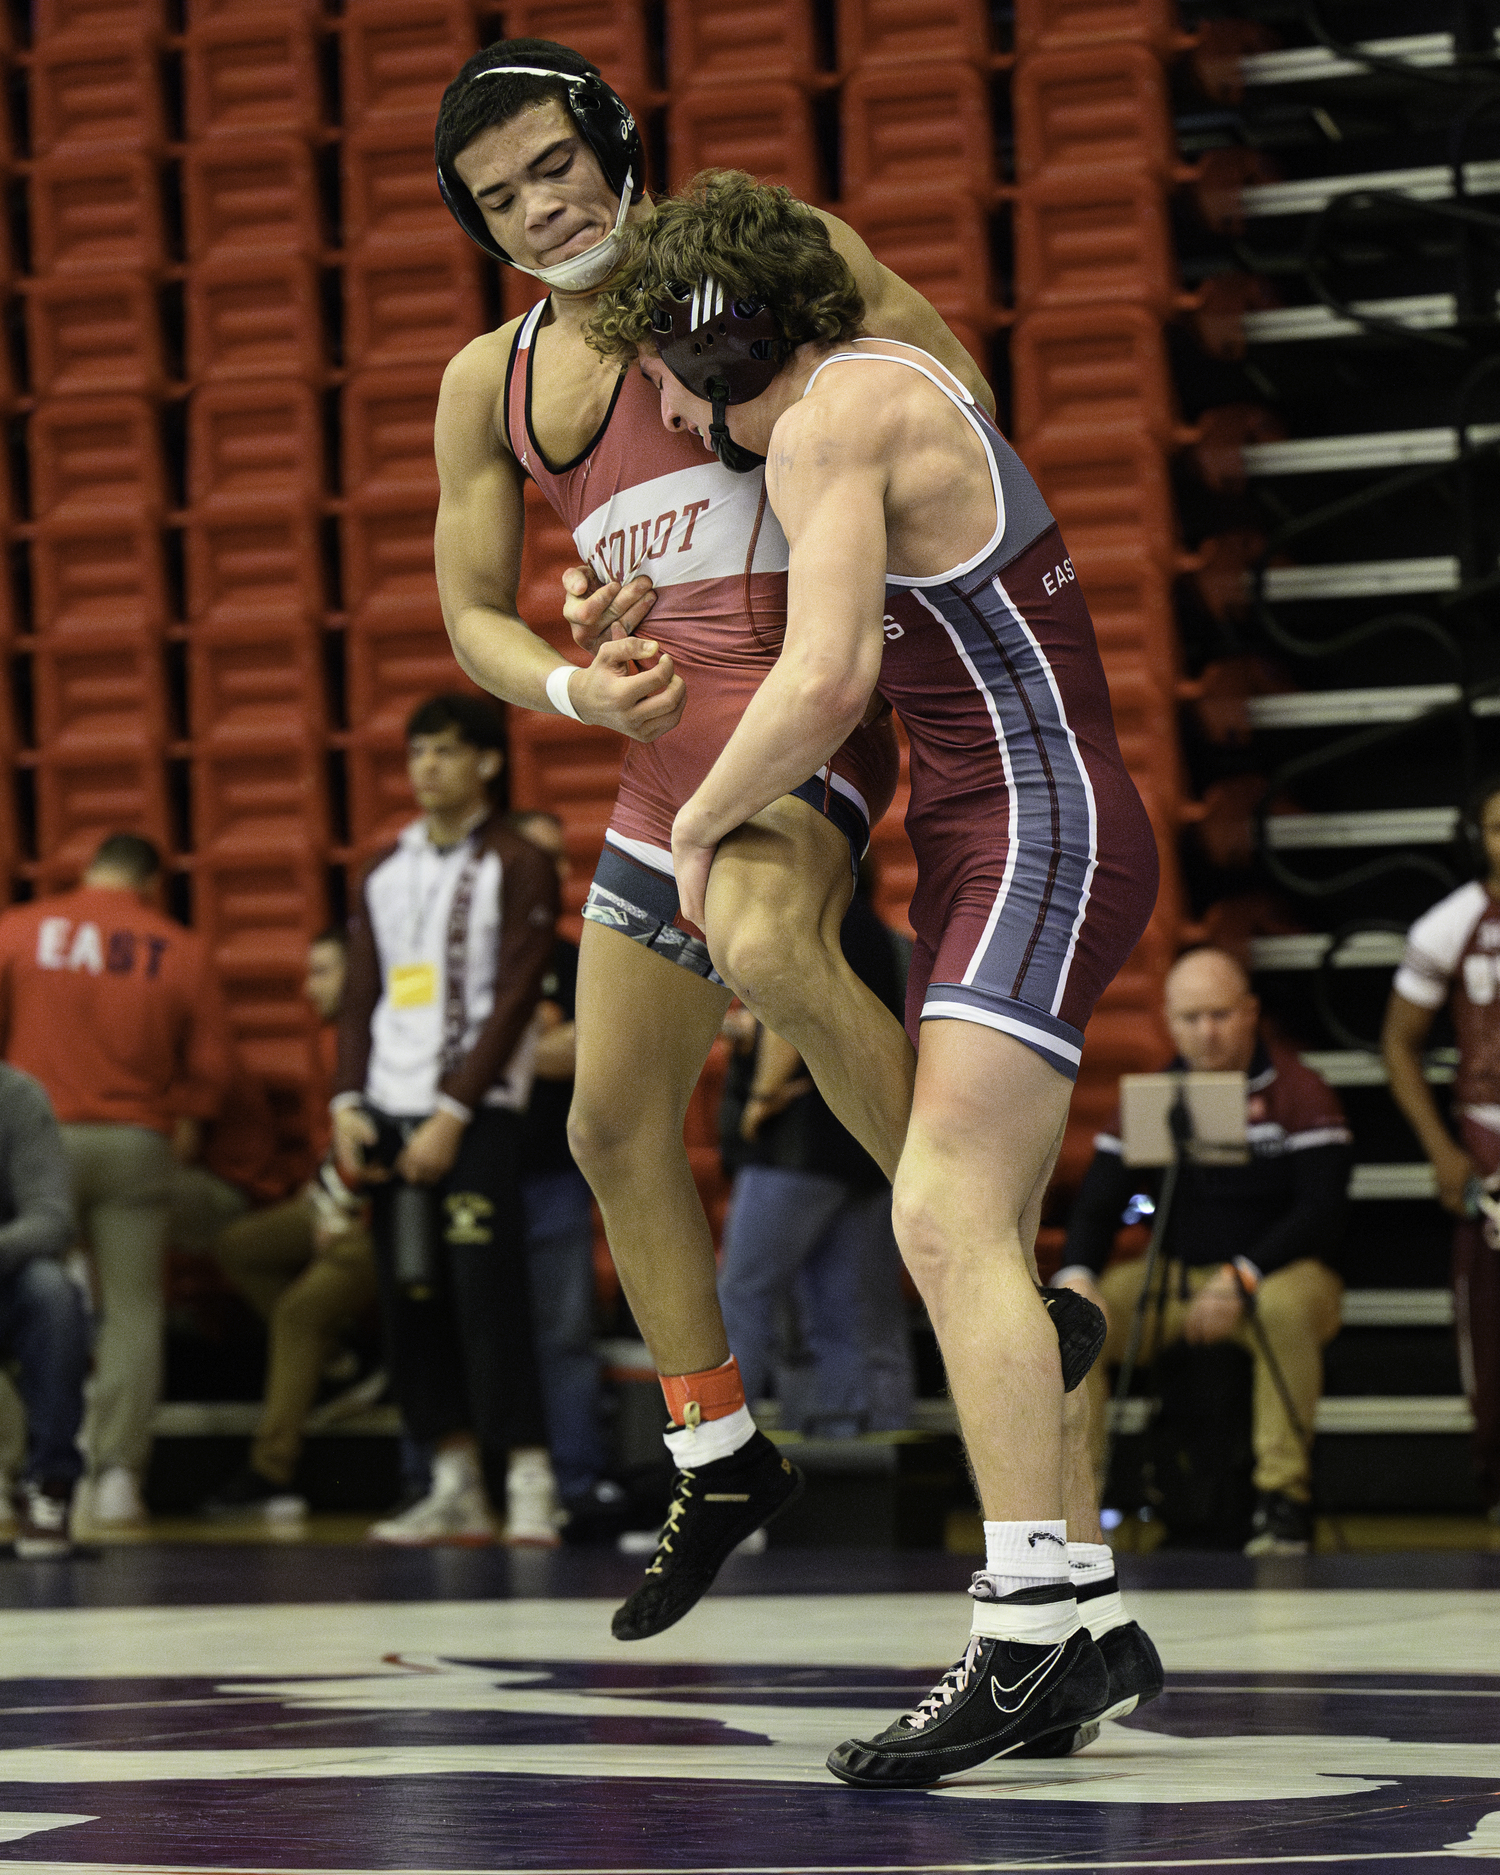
x=1135 y=1676
x=1283 y=1526
x=714 y=1507
x=1081 y=1329
x=1001 y=1696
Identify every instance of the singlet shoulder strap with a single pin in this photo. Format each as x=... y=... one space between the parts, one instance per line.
x=931 y=368
x=938 y=375
x=518 y=431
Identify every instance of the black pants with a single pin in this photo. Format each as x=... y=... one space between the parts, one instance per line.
x=462 y=1356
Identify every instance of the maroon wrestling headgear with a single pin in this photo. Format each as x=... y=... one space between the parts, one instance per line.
x=726 y=351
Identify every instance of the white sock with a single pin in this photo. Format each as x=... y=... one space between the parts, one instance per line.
x=1091 y=1567
x=709 y=1439
x=1031 y=1556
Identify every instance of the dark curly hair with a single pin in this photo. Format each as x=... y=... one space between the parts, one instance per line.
x=759 y=241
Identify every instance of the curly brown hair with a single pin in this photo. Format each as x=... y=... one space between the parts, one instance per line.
x=758 y=240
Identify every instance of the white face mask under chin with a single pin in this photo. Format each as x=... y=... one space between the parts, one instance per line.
x=593 y=266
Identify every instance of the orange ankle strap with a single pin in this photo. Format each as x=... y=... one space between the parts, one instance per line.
x=714 y=1394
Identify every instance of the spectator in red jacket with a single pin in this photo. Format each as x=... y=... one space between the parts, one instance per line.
x=112 y=1006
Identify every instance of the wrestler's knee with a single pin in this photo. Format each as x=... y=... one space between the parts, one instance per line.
x=772 y=959
x=600 y=1130
x=933 y=1245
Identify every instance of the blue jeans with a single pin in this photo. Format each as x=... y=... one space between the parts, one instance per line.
x=560 y=1257
x=830 y=1246
x=44 y=1327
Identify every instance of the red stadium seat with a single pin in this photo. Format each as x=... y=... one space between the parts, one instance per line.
x=90 y=454
x=765 y=128
x=259 y=794
x=98 y=693
x=253 y=560
x=725 y=42
x=96 y=212
x=100 y=89
x=907 y=125
x=1092 y=367
x=255 y=440
x=394 y=656
x=1092 y=108
x=1084 y=238
x=390 y=191
x=252 y=73
x=1108 y=490
x=97 y=572
x=1049 y=25
x=610 y=32
x=387 y=421
x=259 y=912
x=387 y=547
x=256 y=679
x=251 y=192
x=896 y=32
x=50 y=19
x=255 y=316
x=81 y=798
x=88 y=337
x=938 y=240
x=556 y=759
x=413 y=303
x=399 y=56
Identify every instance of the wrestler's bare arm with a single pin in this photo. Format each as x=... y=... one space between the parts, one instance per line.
x=477 y=550
x=827 y=478
x=894 y=310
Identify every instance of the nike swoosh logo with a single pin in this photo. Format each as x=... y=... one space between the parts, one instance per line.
x=1026 y=1682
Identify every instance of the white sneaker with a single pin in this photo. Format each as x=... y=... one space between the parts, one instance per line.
x=115 y=1501
x=453 y=1511
x=533 y=1515
x=42 y=1527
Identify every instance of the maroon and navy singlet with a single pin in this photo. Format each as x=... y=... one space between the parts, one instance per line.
x=644 y=499
x=1036 y=864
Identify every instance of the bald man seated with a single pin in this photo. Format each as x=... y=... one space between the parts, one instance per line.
x=1261 y=1234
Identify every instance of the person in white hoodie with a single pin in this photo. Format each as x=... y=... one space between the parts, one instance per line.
x=448 y=946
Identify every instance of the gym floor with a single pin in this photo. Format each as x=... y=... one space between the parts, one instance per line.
x=330 y=1706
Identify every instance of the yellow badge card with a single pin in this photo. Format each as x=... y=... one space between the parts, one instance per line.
x=412 y=986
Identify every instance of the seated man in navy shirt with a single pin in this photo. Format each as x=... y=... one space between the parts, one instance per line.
x=1264 y=1230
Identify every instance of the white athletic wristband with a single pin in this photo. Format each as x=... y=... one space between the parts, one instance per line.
x=557 y=691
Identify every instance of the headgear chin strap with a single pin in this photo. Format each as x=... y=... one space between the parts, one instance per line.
x=580 y=273
x=726 y=351
x=732 y=454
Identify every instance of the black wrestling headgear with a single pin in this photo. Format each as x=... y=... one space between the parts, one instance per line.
x=604 y=122
x=726 y=351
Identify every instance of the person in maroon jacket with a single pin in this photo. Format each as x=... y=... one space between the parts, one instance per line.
x=1264 y=1232
x=448 y=947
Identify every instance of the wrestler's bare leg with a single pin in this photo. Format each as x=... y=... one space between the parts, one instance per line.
x=776 y=898
x=1080 y=1494
x=645 y=1027
x=985 y=1126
